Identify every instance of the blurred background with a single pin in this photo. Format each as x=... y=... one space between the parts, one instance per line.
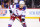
x=29 y=3
x=32 y=16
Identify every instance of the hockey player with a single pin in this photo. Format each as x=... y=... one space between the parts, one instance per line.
x=19 y=13
x=13 y=6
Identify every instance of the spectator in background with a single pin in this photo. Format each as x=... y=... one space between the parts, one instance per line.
x=28 y=3
x=6 y=3
x=2 y=5
x=37 y=3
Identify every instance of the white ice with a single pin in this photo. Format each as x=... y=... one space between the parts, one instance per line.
x=16 y=23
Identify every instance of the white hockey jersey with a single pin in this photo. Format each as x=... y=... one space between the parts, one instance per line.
x=17 y=11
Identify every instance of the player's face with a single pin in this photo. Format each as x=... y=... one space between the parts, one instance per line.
x=21 y=5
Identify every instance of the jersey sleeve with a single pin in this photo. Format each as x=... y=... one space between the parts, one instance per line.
x=24 y=7
x=17 y=5
x=23 y=15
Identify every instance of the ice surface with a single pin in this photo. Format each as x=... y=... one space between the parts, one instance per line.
x=16 y=23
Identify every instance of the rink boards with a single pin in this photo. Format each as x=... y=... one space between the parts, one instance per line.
x=30 y=14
